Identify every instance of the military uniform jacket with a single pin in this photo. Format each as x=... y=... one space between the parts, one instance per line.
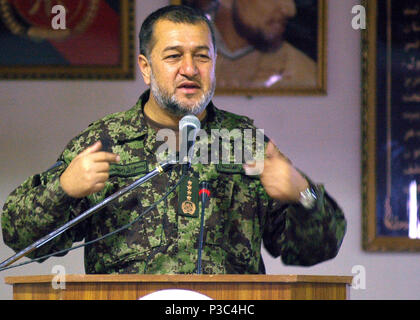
x=239 y=217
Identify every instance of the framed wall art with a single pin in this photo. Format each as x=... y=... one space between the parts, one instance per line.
x=268 y=47
x=391 y=126
x=66 y=39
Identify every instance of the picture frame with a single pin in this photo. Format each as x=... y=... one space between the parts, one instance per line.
x=293 y=61
x=93 y=40
x=390 y=123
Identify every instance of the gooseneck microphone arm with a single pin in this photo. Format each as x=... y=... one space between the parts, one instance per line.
x=161 y=168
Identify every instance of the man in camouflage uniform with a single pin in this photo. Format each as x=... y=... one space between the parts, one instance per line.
x=177 y=59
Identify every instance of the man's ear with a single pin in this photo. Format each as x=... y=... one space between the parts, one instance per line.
x=145 y=68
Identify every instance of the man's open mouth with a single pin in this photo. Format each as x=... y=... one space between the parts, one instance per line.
x=189 y=85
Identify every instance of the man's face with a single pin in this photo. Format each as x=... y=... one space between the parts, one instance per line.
x=182 y=67
x=263 y=23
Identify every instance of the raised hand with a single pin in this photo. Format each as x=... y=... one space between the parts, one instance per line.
x=88 y=171
x=280 y=179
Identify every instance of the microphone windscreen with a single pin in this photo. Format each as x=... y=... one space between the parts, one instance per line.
x=188 y=125
x=189 y=120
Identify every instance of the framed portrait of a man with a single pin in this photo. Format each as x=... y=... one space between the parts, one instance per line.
x=270 y=47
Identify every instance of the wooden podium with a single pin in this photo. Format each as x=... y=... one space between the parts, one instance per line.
x=218 y=287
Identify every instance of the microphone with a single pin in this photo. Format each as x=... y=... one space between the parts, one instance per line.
x=205 y=196
x=189 y=126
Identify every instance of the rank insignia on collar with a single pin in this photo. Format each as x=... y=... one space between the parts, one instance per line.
x=188 y=198
x=229 y=168
x=128 y=169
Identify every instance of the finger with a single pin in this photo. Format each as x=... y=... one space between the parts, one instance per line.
x=98 y=187
x=250 y=164
x=271 y=150
x=101 y=177
x=267 y=168
x=102 y=166
x=92 y=149
x=105 y=157
x=254 y=169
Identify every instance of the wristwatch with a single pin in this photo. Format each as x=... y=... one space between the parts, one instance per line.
x=308 y=198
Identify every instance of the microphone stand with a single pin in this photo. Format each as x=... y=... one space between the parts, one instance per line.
x=158 y=170
x=200 y=241
x=205 y=194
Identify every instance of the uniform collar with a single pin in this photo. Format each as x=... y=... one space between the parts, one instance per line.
x=135 y=126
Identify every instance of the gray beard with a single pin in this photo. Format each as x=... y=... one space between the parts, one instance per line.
x=172 y=105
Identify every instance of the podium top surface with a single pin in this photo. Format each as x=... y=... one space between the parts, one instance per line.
x=177 y=278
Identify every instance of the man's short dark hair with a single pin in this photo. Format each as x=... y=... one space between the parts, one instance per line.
x=173 y=13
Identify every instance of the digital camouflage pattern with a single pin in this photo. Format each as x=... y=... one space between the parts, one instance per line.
x=239 y=217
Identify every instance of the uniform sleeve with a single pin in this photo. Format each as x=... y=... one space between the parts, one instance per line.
x=305 y=237
x=38 y=207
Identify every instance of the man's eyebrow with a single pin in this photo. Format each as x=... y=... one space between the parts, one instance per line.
x=203 y=48
x=172 y=48
x=180 y=48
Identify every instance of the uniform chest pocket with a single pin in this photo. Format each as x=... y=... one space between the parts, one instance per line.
x=233 y=210
x=216 y=214
x=145 y=231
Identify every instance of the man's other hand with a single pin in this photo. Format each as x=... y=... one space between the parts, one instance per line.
x=280 y=179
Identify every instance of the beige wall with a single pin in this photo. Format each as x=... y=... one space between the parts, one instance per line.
x=320 y=134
